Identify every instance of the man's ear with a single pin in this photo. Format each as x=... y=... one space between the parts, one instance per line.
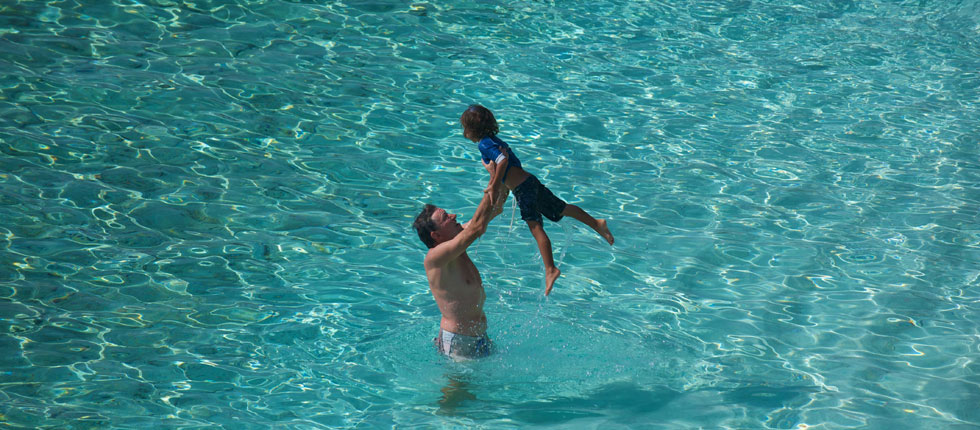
x=434 y=237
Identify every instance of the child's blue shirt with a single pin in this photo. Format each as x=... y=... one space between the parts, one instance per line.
x=491 y=149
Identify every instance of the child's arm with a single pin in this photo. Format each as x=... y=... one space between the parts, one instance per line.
x=496 y=174
x=498 y=200
x=491 y=167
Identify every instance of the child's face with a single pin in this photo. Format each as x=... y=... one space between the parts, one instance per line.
x=467 y=133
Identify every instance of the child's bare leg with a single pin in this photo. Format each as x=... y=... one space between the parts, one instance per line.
x=551 y=273
x=599 y=225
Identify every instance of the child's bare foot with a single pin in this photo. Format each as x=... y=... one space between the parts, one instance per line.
x=550 y=276
x=604 y=231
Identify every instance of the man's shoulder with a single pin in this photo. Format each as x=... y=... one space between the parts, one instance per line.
x=431 y=262
x=427 y=261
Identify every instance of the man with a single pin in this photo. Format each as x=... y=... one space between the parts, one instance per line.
x=454 y=280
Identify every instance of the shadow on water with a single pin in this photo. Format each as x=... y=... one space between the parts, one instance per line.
x=621 y=402
x=622 y=399
x=767 y=397
x=454 y=394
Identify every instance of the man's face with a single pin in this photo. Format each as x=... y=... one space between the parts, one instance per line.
x=446 y=225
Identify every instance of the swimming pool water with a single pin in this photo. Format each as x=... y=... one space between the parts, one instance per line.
x=207 y=209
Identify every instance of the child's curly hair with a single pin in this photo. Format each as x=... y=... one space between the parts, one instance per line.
x=478 y=122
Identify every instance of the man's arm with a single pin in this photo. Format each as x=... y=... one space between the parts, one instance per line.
x=445 y=252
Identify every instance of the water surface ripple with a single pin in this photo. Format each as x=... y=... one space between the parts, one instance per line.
x=207 y=209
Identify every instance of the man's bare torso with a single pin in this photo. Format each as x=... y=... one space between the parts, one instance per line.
x=458 y=290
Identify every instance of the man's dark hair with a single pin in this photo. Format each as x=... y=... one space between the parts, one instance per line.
x=424 y=226
x=478 y=122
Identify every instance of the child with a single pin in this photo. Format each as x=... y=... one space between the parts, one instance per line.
x=534 y=199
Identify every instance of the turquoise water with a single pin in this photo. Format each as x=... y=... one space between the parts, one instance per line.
x=207 y=210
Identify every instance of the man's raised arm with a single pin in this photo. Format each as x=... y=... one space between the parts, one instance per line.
x=472 y=230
